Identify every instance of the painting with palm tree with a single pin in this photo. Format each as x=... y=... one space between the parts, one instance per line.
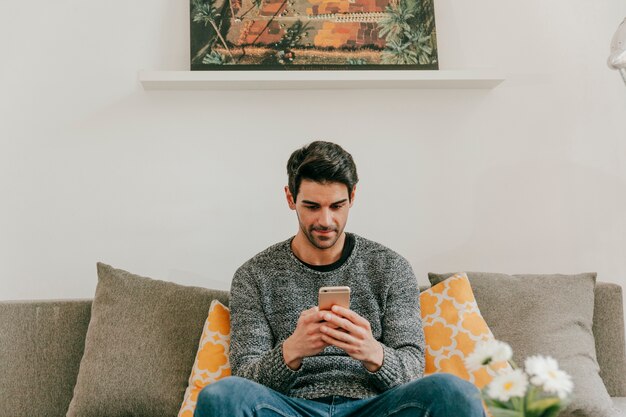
x=313 y=34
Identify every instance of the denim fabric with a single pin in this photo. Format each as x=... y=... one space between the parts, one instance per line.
x=438 y=395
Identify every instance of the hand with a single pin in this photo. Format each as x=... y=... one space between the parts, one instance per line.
x=352 y=333
x=306 y=340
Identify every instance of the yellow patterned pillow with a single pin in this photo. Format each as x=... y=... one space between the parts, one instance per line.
x=452 y=327
x=211 y=361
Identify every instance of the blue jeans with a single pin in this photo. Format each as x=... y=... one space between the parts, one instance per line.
x=438 y=395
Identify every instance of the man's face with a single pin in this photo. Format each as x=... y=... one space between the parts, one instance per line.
x=322 y=211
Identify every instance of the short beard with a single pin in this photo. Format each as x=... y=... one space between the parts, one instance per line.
x=324 y=244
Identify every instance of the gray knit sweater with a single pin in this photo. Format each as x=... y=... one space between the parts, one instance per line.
x=271 y=290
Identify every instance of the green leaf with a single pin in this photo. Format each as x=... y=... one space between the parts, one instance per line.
x=552 y=411
x=213 y=58
x=492 y=402
x=518 y=403
x=500 y=412
x=544 y=403
x=531 y=394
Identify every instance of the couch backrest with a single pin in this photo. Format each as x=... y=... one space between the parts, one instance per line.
x=42 y=342
x=41 y=345
x=608 y=330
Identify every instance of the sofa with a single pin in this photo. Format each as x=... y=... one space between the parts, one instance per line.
x=42 y=343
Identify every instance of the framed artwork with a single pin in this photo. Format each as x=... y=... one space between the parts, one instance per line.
x=313 y=34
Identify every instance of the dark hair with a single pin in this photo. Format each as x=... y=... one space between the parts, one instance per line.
x=321 y=162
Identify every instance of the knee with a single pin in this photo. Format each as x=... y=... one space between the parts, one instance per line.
x=226 y=385
x=451 y=385
x=439 y=385
x=223 y=393
x=441 y=395
x=457 y=393
x=451 y=382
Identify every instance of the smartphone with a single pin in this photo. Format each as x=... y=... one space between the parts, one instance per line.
x=330 y=296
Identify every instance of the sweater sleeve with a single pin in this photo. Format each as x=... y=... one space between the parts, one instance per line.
x=402 y=333
x=254 y=353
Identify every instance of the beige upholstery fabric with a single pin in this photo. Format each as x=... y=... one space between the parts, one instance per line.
x=41 y=343
x=610 y=339
x=549 y=315
x=140 y=346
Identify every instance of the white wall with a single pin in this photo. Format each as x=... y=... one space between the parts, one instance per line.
x=529 y=177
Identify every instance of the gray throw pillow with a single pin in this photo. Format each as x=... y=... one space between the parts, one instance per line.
x=548 y=315
x=140 y=346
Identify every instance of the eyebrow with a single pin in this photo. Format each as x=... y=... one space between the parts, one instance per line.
x=317 y=204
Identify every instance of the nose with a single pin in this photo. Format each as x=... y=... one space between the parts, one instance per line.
x=326 y=218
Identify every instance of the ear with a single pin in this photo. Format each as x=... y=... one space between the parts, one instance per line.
x=290 y=200
x=352 y=195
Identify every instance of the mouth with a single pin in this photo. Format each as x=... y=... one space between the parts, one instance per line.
x=323 y=232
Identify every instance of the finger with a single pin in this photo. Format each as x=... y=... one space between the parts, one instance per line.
x=312 y=310
x=311 y=315
x=341 y=322
x=322 y=313
x=327 y=324
x=337 y=343
x=350 y=315
x=318 y=342
x=338 y=335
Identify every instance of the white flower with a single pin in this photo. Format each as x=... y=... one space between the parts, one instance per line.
x=512 y=383
x=487 y=352
x=501 y=351
x=544 y=372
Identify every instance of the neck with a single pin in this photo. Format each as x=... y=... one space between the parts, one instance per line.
x=310 y=254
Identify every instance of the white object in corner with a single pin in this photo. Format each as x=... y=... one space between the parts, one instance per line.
x=298 y=80
x=617 y=59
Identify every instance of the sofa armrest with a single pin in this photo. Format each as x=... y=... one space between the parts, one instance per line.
x=41 y=345
x=608 y=330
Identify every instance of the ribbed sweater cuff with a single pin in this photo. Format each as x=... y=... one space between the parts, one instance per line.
x=391 y=371
x=282 y=375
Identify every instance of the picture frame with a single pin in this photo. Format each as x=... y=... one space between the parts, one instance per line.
x=313 y=35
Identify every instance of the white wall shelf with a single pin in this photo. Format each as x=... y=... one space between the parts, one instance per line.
x=299 y=80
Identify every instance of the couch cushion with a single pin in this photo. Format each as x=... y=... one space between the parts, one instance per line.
x=608 y=330
x=549 y=315
x=41 y=344
x=140 y=346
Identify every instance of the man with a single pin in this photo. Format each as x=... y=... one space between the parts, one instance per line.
x=289 y=358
